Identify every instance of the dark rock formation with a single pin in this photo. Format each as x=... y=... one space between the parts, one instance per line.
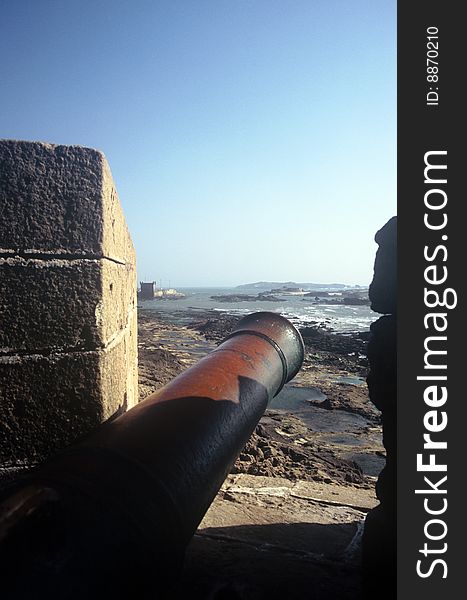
x=268 y=454
x=383 y=288
x=218 y=328
x=379 y=540
x=351 y=301
x=339 y=343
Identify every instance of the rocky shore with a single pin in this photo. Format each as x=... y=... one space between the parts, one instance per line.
x=321 y=434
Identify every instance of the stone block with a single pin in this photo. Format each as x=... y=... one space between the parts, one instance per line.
x=68 y=347
x=60 y=200
x=119 y=371
x=49 y=402
x=63 y=304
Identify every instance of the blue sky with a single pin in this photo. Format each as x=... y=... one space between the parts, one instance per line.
x=249 y=139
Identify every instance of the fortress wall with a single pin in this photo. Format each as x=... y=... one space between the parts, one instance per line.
x=68 y=339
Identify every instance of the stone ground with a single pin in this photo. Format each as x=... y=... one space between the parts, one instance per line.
x=287 y=522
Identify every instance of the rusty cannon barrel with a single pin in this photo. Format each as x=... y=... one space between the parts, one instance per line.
x=112 y=516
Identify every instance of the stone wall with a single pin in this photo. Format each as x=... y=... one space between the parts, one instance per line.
x=379 y=540
x=68 y=337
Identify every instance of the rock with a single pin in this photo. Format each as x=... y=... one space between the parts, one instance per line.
x=382 y=385
x=265 y=455
x=351 y=301
x=216 y=329
x=379 y=540
x=321 y=339
x=326 y=404
x=383 y=288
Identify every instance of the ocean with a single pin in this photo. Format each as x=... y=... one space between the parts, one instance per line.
x=301 y=311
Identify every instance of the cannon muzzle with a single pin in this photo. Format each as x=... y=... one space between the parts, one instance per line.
x=112 y=516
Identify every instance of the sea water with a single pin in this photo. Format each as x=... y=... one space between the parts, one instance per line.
x=301 y=311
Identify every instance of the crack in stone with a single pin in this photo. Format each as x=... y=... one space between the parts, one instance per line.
x=8 y=355
x=265 y=546
x=39 y=255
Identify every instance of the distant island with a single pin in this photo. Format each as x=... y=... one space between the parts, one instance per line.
x=274 y=285
x=272 y=291
x=262 y=296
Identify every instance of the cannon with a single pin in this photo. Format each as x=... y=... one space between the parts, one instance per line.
x=111 y=517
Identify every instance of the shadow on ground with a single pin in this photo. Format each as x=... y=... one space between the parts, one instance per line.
x=256 y=562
